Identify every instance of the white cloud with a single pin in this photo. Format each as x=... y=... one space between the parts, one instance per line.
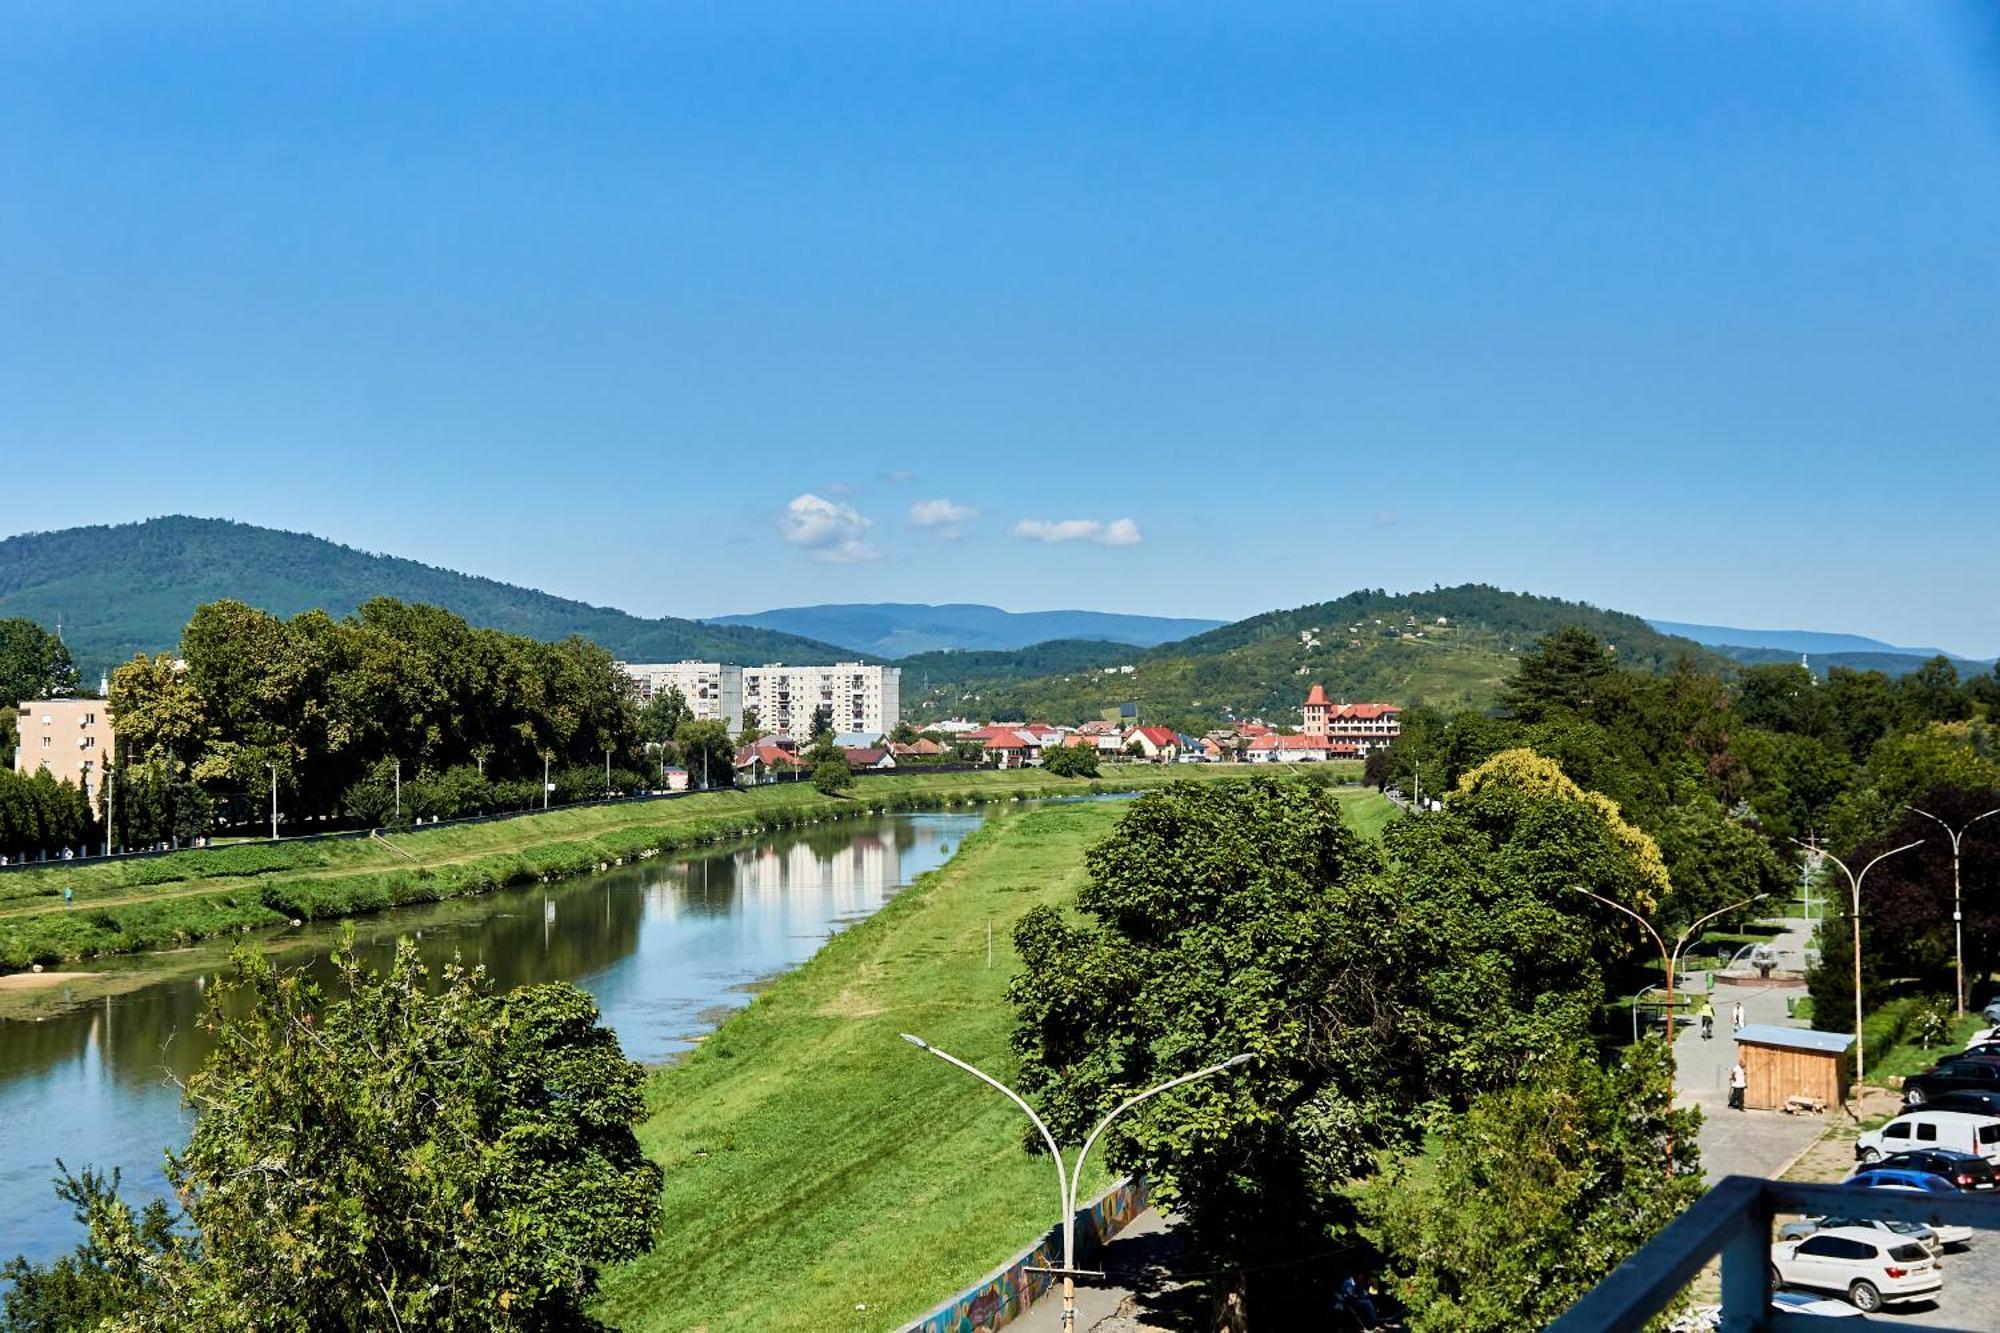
x=828 y=531
x=901 y=476
x=1387 y=518
x=1118 y=532
x=941 y=518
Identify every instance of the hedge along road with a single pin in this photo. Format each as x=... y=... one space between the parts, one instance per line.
x=821 y=1174
x=174 y=900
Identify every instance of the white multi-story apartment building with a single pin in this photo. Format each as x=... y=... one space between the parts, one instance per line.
x=713 y=690
x=857 y=697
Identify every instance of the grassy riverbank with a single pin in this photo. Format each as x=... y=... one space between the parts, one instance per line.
x=823 y=1175
x=169 y=901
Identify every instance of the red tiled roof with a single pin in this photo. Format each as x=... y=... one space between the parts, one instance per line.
x=1318 y=695
x=864 y=758
x=1005 y=740
x=1364 y=712
x=1157 y=735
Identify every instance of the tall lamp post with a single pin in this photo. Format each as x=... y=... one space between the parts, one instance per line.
x=274 y=800
x=1068 y=1180
x=1670 y=958
x=1854 y=883
x=1957 y=836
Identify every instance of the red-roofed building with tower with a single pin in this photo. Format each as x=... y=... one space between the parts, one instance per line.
x=1348 y=729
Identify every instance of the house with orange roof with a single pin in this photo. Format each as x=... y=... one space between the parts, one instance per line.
x=1162 y=745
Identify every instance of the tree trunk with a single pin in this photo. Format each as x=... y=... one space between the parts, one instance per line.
x=1230 y=1311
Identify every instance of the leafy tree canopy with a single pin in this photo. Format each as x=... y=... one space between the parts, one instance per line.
x=389 y=1157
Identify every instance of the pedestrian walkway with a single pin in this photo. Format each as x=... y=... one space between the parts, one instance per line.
x=1749 y=1143
x=1136 y=1295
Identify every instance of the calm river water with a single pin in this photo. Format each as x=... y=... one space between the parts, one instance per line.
x=668 y=947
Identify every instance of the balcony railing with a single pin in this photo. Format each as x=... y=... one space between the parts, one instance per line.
x=1734 y=1220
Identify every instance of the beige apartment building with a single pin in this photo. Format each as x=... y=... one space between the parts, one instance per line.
x=858 y=697
x=72 y=738
x=713 y=690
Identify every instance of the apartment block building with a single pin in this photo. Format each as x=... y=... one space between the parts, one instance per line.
x=859 y=698
x=71 y=738
x=713 y=690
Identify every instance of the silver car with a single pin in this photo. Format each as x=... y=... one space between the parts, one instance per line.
x=1916 y=1231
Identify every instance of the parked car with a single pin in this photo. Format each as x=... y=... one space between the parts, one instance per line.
x=1870 y=1269
x=1920 y=1232
x=1992 y=1013
x=1959 y=1131
x=1958 y=1073
x=1964 y=1170
x=1804 y=1302
x=1978 y=1103
x=1881 y=1178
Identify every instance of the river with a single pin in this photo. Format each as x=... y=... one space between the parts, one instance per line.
x=667 y=946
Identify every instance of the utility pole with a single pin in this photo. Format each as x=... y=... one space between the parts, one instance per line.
x=1854 y=883
x=399 y=791
x=607 y=770
x=274 y=800
x=1068 y=1180
x=1957 y=915
x=545 y=779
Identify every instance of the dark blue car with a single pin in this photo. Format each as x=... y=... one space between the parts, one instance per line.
x=1888 y=1178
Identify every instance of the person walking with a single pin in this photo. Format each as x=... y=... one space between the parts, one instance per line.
x=1738 y=1081
x=1736 y=1017
x=1707 y=1016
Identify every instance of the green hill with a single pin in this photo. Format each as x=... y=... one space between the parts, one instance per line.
x=130 y=588
x=1448 y=646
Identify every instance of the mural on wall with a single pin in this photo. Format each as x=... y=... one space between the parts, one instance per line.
x=999 y=1300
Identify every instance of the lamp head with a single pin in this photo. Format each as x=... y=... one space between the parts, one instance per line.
x=915 y=1040
x=1243 y=1058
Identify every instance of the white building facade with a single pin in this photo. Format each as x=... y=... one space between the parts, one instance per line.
x=713 y=690
x=857 y=697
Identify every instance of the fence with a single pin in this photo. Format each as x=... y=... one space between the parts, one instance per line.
x=1000 y=1297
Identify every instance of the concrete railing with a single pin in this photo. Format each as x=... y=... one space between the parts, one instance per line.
x=1734 y=1220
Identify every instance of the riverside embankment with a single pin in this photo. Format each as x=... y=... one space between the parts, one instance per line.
x=823 y=1175
x=170 y=901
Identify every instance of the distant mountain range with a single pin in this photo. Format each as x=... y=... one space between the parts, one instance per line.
x=130 y=588
x=1820 y=650
x=903 y=629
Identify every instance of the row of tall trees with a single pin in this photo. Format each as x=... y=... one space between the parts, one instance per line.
x=340 y=710
x=39 y=816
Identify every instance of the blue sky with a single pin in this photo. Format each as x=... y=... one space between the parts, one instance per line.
x=1687 y=309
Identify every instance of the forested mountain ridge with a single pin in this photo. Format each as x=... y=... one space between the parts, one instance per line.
x=129 y=588
x=1447 y=646
x=904 y=629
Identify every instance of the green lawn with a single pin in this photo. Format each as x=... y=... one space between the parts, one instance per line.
x=824 y=1175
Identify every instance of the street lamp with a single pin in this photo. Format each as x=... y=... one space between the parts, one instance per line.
x=274 y=799
x=1854 y=883
x=1670 y=958
x=1067 y=1181
x=1957 y=916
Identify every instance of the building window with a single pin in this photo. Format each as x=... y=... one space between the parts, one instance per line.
x=47 y=741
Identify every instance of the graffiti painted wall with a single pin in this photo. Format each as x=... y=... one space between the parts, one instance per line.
x=999 y=1298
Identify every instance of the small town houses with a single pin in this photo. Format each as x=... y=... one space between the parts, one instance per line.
x=1328 y=730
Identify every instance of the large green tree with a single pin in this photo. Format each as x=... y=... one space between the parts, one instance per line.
x=1226 y=918
x=1538 y=1191
x=396 y=1155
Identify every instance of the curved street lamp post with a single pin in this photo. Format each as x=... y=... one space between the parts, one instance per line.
x=1670 y=958
x=1068 y=1179
x=1957 y=836
x=1854 y=883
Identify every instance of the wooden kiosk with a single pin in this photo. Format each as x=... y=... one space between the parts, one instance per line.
x=1783 y=1066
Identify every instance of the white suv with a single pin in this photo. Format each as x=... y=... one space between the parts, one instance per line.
x=1869 y=1268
